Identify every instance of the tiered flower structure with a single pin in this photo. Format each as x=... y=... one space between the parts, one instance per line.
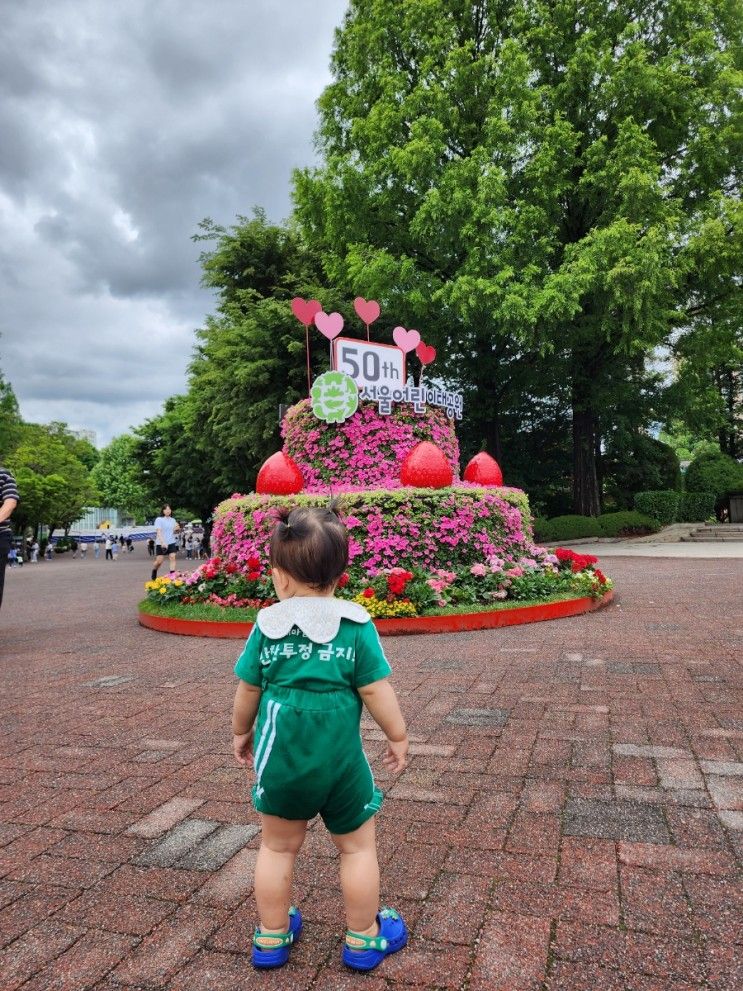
x=412 y=550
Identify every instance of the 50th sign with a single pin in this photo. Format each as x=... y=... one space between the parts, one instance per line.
x=368 y=363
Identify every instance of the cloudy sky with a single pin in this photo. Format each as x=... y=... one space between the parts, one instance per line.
x=122 y=125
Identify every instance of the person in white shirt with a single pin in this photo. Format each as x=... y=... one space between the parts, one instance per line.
x=166 y=541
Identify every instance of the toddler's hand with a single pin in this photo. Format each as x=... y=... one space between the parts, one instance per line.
x=396 y=757
x=242 y=748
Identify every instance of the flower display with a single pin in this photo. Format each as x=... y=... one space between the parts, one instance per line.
x=367 y=450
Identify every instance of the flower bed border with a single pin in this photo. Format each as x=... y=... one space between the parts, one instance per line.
x=402 y=626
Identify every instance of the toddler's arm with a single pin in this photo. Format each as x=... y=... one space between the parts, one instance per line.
x=380 y=699
x=244 y=710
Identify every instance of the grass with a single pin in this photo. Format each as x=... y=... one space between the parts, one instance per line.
x=217 y=614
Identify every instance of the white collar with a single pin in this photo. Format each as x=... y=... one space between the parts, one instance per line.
x=318 y=617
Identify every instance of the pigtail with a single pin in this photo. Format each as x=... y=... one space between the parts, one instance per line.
x=282 y=516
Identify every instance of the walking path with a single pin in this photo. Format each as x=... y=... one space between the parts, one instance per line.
x=572 y=817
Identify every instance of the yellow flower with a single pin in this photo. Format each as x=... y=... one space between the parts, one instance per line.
x=178 y=582
x=163 y=591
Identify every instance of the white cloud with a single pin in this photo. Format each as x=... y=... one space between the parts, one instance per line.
x=124 y=125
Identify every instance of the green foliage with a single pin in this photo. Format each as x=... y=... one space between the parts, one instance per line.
x=559 y=176
x=637 y=463
x=10 y=419
x=663 y=505
x=117 y=477
x=54 y=484
x=696 y=507
x=569 y=527
x=715 y=472
x=627 y=524
x=685 y=444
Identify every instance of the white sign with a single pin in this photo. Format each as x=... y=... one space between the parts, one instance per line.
x=369 y=364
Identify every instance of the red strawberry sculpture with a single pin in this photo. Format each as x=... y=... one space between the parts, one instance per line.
x=483 y=470
x=279 y=476
x=426 y=467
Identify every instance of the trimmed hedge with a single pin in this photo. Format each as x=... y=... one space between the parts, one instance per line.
x=662 y=505
x=714 y=472
x=566 y=528
x=696 y=507
x=627 y=524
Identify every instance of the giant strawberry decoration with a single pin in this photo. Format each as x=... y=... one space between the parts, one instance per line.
x=279 y=476
x=426 y=467
x=483 y=470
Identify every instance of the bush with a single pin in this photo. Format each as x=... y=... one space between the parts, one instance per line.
x=566 y=528
x=627 y=524
x=696 y=507
x=662 y=505
x=637 y=463
x=714 y=472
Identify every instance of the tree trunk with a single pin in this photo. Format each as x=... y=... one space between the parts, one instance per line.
x=586 y=500
x=493 y=444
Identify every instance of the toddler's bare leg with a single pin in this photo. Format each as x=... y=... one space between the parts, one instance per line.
x=281 y=840
x=360 y=878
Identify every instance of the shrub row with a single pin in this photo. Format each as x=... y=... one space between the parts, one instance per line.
x=668 y=506
x=627 y=523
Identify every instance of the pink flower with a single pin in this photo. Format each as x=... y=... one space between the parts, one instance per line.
x=478 y=570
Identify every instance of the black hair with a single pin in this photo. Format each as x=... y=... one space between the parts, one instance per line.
x=166 y=505
x=310 y=543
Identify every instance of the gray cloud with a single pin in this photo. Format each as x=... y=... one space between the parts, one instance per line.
x=123 y=126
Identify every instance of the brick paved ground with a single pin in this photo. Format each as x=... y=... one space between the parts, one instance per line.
x=572 y=817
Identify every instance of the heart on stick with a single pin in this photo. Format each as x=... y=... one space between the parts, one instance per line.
x=366 y=309
x=406 y=340
x=329 y=324
x=426 y=353
x=305 y=309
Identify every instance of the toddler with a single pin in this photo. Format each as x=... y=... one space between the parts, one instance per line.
x=309 y=665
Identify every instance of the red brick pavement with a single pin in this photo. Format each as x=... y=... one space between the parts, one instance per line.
x=572 y=816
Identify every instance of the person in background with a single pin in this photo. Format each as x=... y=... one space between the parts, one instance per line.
x=49 y=552
x=166 y=539
x=109 y=548
x=9 y=499
x=96 y=548
x=129 y=544
x=12 y=557
x=35 y=552
x=150 y=547
x=83 y=550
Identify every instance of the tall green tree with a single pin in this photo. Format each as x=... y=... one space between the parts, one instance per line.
x=545 y=170
x=54 y=484
x=10 y=418
x=117 y=477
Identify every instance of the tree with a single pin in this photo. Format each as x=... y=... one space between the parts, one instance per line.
x=545 y=171
x=10 y=419
x=117 y=478
x=54 y=485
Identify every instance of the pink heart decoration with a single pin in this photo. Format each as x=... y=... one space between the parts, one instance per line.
x=366 y=310
x=305 y=309
x=329 y=324
x=426 y=353
x=406 y=340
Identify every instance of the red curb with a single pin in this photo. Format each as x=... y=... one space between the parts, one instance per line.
x=398 y=627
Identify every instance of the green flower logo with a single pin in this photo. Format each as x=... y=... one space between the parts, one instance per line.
x=335 y=397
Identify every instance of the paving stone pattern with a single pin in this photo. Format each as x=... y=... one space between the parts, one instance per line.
x=572 y=816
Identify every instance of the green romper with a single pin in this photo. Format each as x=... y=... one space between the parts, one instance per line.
x=307 y=754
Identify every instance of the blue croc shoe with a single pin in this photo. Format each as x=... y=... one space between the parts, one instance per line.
x=274 y=951
x=365 y=952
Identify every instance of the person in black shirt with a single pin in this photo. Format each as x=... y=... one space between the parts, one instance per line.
x=8 y=501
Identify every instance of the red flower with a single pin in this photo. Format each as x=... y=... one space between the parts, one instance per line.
x=600 y=575
x=563 y=554
x=254 y=563
x=368 y=593
x=208 y=573
x=343 y=580
x=231 y=568
x=253 y=576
